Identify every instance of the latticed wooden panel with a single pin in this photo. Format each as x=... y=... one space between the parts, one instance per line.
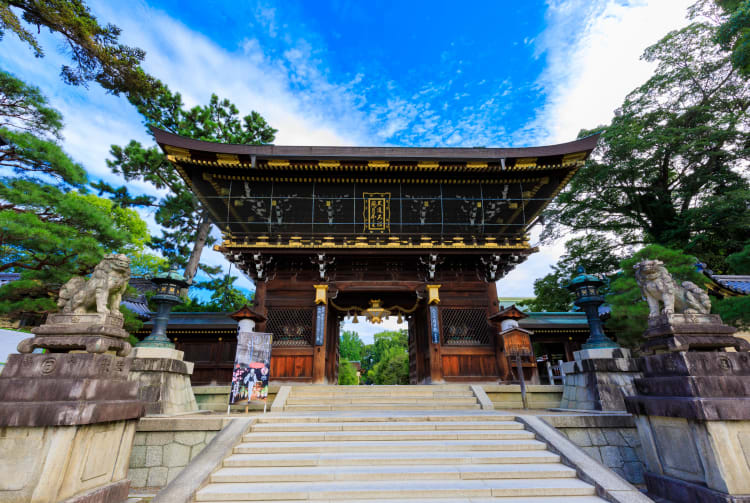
x=465 y=327
x=290 y=327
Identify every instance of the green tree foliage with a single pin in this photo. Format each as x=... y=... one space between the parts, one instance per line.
x=347 y=373
x=185 y=220
x=351 y=347
x=734 y=310
x=740 y=262
x=386 y=361
x=392 y=369
x=669 y=168
x=734 y=33
x=629 y=309
x=50 y=228
x=225 y=297
x=595 y=253
x=94 y=49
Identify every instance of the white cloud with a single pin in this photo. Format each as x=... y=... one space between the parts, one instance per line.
x=588 y=75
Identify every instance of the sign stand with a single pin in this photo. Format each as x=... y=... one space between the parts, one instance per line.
x=519 y=366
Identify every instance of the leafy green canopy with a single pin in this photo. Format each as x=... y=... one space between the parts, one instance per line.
x=386 y=361
x=347 y=373
x=225 y=297
x=670 y=168
x=734 y=33
x=50 y=228
x=351 y=346
x=94 y=49
x=185 y=220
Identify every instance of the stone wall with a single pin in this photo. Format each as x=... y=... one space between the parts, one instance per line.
x=164 y=446
x=508 y=396
x=216 y=398
x=611 y=439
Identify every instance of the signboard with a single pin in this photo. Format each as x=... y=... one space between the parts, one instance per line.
x=320 y=324
x=252 y=365
x=517 y=343
x=434 y=324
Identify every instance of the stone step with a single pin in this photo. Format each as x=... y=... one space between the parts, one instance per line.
x=395 y=426
x=331 y=459
x=352 y=490
x=332 y=390
x=405 y=416
x=363 y=391
x=380 y=406
x=391 y=473
x=385 y=435
x=384 y=399
x=387 y=446
x=378 y=394
x=498 y=499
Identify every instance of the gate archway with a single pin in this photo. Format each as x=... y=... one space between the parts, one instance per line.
x=316 y=227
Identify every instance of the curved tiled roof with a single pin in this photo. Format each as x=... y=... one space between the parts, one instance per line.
x=738 y=284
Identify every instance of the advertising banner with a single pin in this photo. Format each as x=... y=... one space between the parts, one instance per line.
x=252 y=365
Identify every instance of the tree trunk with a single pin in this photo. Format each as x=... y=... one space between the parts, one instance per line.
x=200 y=241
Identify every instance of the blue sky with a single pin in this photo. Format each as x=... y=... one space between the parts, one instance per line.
x=409 y=73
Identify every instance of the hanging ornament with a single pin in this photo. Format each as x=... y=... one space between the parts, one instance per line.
x=355 y=320
x=400 y=319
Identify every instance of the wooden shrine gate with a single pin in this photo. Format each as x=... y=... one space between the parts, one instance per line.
x=421 y=233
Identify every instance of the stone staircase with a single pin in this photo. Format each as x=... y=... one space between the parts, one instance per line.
x=354 y=398
x=447 y=456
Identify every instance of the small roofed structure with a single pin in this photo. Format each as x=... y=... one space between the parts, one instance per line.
x=515 y=342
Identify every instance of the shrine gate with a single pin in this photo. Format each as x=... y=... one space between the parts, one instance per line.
x=421 y=234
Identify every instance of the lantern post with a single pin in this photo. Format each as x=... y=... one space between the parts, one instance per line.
x=586 y=289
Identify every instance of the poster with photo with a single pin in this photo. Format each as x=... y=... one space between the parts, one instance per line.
x=252 y=365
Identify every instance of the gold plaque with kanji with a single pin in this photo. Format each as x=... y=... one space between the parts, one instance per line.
x=377 y=211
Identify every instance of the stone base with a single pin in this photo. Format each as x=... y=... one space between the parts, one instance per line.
x=64 y=389
x=674 y=343
x=163 y=381
x=598 y=379
x=712 y=454
x=678 y=491
x=706 y=386
x=71 y=464
x=690 y=332
x=113 y=493
x=91 y=332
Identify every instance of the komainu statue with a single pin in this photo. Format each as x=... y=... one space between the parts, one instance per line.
x=102 y=293
x=658 y=286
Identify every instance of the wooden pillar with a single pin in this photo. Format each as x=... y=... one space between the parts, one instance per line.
x=503 y=365
x=319 y=334
x=260 y=303
x=434 y=335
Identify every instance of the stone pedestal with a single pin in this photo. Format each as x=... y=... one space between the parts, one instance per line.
x=599 y=379
x=90 y=332
x=66 y=428
x=692 y=410
x=163 y=381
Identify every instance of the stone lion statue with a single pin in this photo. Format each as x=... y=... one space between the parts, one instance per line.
x=102 y=293
x=658 y=286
